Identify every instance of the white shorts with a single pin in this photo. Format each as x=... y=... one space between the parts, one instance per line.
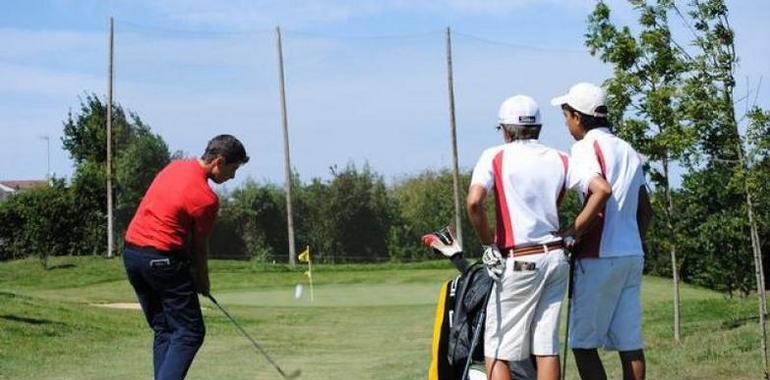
x=523 y=309
x=606 y=306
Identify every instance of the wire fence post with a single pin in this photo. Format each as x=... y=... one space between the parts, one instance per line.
x=286 y=155
x=453 y=132
x=110 y=221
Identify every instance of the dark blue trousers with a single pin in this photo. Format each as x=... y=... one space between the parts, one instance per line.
x=165 y=288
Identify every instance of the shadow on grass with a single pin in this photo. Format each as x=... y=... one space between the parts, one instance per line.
x=735 y=323
x=14 y=295
x=61 y=266
x=31 y=321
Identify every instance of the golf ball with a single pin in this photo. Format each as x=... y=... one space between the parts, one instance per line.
x=298 y=291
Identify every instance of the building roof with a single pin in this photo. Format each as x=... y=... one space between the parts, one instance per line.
x=12 y=186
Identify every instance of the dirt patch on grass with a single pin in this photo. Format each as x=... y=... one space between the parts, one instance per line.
x=126 y=306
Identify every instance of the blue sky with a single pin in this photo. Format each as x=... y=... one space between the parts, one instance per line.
x=366 y=81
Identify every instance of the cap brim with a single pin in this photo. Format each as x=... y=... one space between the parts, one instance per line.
x=559 y=100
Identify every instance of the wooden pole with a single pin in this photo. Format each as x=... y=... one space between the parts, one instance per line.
x=110 y=237
x=453 y=132
x=287 y=159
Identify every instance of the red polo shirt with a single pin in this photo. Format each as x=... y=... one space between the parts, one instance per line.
x=178 y=202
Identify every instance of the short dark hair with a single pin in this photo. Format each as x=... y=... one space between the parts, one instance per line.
x=589 y=122
x=226 y=146
x=523 y=132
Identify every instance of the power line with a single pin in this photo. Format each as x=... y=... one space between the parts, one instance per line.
x=364 y=37
x=300 y=33
x=518 y=46
x=224 y=33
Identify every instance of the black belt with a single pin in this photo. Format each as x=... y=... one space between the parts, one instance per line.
x=178 y=253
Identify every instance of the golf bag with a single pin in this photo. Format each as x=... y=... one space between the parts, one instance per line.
x=457 y=315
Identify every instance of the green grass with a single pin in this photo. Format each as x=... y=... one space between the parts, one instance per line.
x=368 y=322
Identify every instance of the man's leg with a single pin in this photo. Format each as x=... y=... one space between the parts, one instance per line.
x=589 y=364
x=548 y=367
x=137 y=265
x=497 y=369
x=545 y=325
x=183 y=316
x=160 y=341
x=597 y=286
x=626 y=328
x=523 y=369
x=633 y=363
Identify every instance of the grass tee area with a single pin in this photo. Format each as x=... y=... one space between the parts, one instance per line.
x=367 y=322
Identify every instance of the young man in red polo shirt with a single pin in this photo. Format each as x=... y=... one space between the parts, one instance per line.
x=167 y=248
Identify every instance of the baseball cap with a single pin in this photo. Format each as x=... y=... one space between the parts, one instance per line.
x=519 y=110
x=586 y=98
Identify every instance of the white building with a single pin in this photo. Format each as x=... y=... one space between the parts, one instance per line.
x=9 y=188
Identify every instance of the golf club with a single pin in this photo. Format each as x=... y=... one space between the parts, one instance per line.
x=476 y=335
x=295 y=374
x=570 y=284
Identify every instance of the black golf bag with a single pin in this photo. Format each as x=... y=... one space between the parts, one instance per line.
x=457 y=316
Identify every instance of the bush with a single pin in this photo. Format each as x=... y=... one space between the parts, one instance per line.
x=42 y=222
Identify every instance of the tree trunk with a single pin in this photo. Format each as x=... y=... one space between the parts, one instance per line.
x=755 y=243
x=756 y=249
x=669 y=207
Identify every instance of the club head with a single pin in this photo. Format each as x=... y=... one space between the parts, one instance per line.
x=293 y=374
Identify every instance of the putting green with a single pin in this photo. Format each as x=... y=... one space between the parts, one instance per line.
x=335 y=295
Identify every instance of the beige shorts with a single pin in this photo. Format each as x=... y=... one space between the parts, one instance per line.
x=523 y=309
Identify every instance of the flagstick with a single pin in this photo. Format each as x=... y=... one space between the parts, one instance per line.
x=310 y=270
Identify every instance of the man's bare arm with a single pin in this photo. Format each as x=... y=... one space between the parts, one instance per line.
x=478 y=214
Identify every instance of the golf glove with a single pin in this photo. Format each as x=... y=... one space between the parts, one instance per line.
x=494 y=261
x=569 y=241
x=442 y=242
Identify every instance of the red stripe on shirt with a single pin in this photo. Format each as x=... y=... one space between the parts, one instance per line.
x=600 y=158
x=504 y=227
x=565 y=163
x=590 y=245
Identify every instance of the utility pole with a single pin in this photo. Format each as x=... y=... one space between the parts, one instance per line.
x=110 y=238
x=453 y=132
x=286 y=156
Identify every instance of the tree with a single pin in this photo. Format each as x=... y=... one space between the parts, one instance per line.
x=714 y=67
x=643 y=97
x=138 y=156
x=251 y=223
x=140 y=159
x=425 y=204
x=358 y=214
x=42 y=221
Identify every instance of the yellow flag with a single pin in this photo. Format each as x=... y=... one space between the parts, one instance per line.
x=305 y=255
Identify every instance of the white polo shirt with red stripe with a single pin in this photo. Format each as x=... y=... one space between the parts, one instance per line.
x=615 y=233
x=528 y=180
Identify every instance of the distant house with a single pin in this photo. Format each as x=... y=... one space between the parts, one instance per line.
x=9 y=188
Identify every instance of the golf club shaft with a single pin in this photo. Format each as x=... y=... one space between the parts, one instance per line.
x=256 y=345
x=570 y=289
x=476 y=335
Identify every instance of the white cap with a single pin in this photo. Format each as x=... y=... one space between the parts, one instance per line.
x=520 y=110
x=584 y=97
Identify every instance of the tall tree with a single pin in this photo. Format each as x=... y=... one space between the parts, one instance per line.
x=715 y=65
x=644 y=95
x=138 y=155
